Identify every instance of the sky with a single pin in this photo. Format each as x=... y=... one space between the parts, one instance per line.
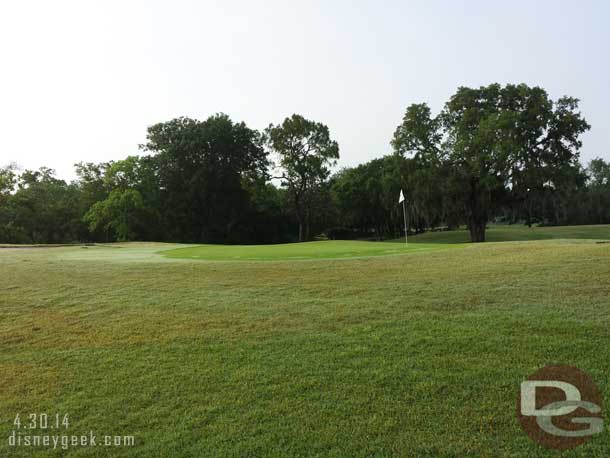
x=82 y=80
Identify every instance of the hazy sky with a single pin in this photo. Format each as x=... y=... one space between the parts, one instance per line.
x=81 y=80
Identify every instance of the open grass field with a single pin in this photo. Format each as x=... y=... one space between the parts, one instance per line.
x=415 y=354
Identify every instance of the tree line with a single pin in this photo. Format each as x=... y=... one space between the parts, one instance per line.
x=496 y=153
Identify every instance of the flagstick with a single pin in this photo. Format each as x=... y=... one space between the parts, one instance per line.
x=404 y=214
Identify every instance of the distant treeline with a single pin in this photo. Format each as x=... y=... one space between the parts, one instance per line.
x=494 y=153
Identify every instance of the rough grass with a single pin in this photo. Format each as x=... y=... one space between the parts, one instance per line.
x=413 y=355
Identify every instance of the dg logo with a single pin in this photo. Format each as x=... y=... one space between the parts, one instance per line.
x=560 y=407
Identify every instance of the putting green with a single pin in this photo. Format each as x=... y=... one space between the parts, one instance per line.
x=299 y=251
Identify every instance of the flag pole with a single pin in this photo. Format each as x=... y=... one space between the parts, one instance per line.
x=404 y=214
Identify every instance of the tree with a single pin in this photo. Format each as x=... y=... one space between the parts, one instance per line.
x=201 y=167
x=495 y=143
x=44 y=209
x=119 y=216
x=97 y=182
x=9 y=231
x=8 y=180
x=268 y=220
x=305 y=151
x=91 y=181
x=597 y=193
x=367 y=196
x=599 y=172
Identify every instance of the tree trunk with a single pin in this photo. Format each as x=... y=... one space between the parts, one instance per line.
x=299 y=215
x=477 y=219
x=477 y=230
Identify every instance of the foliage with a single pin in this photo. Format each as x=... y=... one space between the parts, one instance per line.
x=496 y=143
x=504 y=154
x=42 y=209
x=200 y=169
x=305 y=151
x=119 y=216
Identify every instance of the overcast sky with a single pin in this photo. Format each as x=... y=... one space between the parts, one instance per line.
x=81 y=80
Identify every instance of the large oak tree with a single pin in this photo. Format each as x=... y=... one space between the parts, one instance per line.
x=498 y=144
x=201 y=167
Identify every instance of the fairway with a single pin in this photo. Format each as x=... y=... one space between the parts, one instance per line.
x=517 y=233
x=420 y=354
x=299 y=251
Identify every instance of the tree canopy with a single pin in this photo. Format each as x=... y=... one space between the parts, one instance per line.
x=305 y=152
x=201 y=168
x=496 y=143
x=493 y=154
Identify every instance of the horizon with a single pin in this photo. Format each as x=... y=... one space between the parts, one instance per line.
x=87 y=79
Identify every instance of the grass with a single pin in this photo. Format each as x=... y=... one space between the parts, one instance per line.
x=298 y=251
x=354 y=249
x=517 y=233
x=419 y=354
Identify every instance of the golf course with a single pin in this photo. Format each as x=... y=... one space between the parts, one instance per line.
x=317 y=349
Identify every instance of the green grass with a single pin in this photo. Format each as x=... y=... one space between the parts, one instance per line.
x=355 y=249
x=516 y=233
x=297 y=251
x=419 y=354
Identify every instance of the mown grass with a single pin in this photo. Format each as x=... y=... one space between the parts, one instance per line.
x=336 y=249
x=341 y=249
x=413 y=355
x=517 y=233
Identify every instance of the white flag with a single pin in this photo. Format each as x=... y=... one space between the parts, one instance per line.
x=401 y=198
